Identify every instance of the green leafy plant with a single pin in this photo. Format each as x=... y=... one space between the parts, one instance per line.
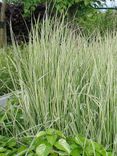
x=86 y=17
x=91 y=20
x=51 y=142
x=60 y=5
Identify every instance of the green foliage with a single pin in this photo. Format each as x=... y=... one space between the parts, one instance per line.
x=92 y=20
x=51 y=142
x=5 y=80
x=86 y=17
x=60 y=5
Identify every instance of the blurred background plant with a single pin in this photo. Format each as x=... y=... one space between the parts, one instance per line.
x=79 y=12
x=5 y=80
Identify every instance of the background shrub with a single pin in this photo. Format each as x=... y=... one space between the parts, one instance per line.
x=81 y=13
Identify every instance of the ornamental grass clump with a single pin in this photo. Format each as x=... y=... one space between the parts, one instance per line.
x=67 y=83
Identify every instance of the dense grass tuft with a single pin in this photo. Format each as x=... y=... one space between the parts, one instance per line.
x=67 y=83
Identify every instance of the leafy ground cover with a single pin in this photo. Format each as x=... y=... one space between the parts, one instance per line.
x=51 y=143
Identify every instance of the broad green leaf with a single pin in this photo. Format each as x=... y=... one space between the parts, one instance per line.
x=76 y=152
x=2 y=149
x=60 y=153
x=63 y=145
x=50 y=131
x=31 y=154
x=40 y=134
x=90 y=150
x=51 y=139
x=59 y=133
x=43 y=150
x=80 y=140
x=74 y=146
x=21 y=150
x=40 y=141
x=98 y=147
x=53 y=131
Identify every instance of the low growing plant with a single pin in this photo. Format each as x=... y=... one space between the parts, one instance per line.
x=51 y=143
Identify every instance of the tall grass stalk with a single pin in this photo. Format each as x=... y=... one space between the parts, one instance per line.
x=67 y=83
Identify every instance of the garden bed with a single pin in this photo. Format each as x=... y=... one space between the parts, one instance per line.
x=66 y=83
